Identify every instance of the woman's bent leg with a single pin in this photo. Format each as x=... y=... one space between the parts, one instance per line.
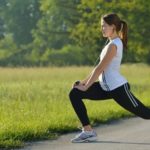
x=95 y=92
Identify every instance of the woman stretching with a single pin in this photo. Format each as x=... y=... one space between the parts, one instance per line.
x=111 y=83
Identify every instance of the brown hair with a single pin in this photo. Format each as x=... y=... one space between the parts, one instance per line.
x=121 y=26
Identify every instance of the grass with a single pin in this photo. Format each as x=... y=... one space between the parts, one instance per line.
x=34 y=103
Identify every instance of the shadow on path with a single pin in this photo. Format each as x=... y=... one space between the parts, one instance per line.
x=116 y=142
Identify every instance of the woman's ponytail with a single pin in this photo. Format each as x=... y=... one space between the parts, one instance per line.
x=124 y=33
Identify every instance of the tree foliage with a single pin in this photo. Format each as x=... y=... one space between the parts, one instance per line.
x=47 y=32
x=20 y=17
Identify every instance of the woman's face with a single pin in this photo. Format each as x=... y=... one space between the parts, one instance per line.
x=107 y=30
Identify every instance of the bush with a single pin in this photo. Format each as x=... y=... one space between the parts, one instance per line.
x=68 y=55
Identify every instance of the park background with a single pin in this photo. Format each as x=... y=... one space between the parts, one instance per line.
x=46 y=45
x=62 y=32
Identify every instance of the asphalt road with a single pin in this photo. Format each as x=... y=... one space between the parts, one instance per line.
x=126 y=134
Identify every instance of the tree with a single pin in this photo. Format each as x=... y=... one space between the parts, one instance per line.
x=20 y=17
x=54 y=28
x=135 y=13
x=2 y=30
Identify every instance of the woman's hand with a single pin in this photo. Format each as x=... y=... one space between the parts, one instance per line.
x=81 y=87
x=77 y=83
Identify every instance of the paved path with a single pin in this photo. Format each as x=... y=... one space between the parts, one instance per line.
x=126 y=134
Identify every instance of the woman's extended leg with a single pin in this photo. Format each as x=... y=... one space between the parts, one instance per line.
x=127 y=100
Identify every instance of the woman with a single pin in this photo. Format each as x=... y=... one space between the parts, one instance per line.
x=111 y=83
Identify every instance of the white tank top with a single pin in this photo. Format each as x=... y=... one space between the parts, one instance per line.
x=111 y=77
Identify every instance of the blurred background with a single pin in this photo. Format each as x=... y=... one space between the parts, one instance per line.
x=38 y=39
x=67 y=32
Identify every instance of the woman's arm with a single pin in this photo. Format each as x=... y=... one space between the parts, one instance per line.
x=87 y=78
x=111 y=52
x=82 y=82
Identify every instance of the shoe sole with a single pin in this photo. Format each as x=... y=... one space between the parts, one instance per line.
x=91 y=139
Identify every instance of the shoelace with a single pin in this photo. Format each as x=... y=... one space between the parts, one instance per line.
x=78 y=135
x=80 y=128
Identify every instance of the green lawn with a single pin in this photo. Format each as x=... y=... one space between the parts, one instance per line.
x=34 y=102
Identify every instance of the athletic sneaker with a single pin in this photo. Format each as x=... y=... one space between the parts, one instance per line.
x=85 y=136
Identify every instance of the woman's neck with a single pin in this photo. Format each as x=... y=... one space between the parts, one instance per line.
x=113 y=37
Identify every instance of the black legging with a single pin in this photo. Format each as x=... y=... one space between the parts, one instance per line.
x=121 y=95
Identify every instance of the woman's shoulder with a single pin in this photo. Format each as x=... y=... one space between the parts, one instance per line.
x=117 y=41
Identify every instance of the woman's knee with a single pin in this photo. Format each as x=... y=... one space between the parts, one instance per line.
x=146 y=116
x=74 y=92
x=145 y=113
